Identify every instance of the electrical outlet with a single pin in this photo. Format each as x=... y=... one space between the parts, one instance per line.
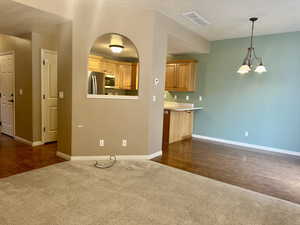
x=187 y=97
x=21 y=91
x=101 y=143
x=124 y=143
x=246 y=133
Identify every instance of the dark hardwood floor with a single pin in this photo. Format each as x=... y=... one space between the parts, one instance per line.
x=273 y=174
x=17 y=157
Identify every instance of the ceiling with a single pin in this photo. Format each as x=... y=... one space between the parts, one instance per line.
x=17 y=19
x=228 y=18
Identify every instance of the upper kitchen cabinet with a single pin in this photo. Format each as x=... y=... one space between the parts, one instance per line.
x=94 y=63
x=127 y=75
x=181 y=75
x=113 y=67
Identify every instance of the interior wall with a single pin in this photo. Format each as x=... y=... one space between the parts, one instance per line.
x=110 y=119
x=138 y=121
x=265 y=105
x=39 y=42
x=65 y=85
x=23 y=80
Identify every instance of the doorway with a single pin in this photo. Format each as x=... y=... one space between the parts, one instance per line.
x=49 y=95
x=7 y=93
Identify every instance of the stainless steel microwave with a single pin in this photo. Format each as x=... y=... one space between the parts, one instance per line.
x=110 y=81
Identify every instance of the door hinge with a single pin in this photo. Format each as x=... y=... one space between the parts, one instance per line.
x=0 y=95
x=44 y=62
x=44 y=129
x=44 y=96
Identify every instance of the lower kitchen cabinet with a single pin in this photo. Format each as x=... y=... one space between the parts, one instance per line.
x=178 y=126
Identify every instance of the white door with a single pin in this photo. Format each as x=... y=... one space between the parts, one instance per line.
x=49 y=96
x=7 y=83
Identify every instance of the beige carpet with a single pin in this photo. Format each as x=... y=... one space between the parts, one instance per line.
x=133 y=193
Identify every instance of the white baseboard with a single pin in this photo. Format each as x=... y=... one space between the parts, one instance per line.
x=63 y=156
x=119 y=157
x=245 y=145
x=37 y=143
x=154 y=155
x=33 y=144
x=23 y=140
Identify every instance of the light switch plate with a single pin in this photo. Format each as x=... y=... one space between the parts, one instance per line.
x=61 y=94
x=124 y=143
x=187 y=97
x=154 y=98
x=21 y=91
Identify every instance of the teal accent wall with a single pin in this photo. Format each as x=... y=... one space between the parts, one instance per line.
x=266 y=105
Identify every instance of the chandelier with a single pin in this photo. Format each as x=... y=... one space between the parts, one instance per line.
x=251 y=57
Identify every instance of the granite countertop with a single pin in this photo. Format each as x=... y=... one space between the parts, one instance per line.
x=180 y=107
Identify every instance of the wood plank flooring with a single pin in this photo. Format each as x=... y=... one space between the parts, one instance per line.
x=17 y=157
x=273 y=174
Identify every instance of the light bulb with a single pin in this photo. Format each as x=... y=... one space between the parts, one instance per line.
x=116 y=48
x=260 y=69
x=244 y=69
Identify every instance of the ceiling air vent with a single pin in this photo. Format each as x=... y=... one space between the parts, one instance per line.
x=195 y=18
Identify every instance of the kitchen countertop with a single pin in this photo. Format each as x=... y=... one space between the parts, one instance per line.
x=180 y=107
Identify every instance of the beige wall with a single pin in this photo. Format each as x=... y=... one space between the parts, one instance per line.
x=139 y=121
x=39 y=42
x=65 y=85
x=111 y=120
x=82 y=121
x=23 y=104
x=28 y=77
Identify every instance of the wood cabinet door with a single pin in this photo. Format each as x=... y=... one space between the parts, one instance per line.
x=183 y=76
x=119 y=78
x=102 y=66
x=94 y=64
x=170 y=77
x=126 y=72
x=111 y=68
x=181 y=126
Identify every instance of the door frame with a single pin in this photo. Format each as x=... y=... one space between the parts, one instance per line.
x=12 y=52
x=43 y=112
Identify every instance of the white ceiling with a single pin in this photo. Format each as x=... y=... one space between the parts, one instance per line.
x=17 y=19
x=228 y=18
